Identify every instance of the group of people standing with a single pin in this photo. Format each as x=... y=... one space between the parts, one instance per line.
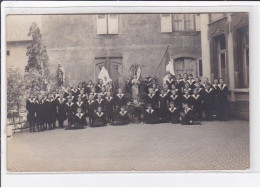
x=181 y=100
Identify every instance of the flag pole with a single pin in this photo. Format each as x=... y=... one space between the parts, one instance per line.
x=161 y=60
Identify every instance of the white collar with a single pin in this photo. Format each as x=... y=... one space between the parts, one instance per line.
x=49 y=100
x=90 y=102
x=163 y=95
x=186 y=111
x=109 y=97
x=147 y=110
x=123 y=112
x=74 y=90
x=82 y=95
x=174 y=108
x=79 y=103
x=174 y=97
x=31 y=100
x=61 y=100
x=99 y=100
x=151 y=95
x=224 y=85
x=100 y=114
x=209 y=90
x=120 y=95
x=68 y=103
x=186 y=96
x=80 y=115
x=196 y=97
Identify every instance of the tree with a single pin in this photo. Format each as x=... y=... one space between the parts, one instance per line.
x=15 y=91
x=37 y=71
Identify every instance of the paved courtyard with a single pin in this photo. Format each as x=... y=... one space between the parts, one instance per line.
x=210 y=146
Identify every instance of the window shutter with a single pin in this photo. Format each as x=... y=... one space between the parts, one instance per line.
x=197 y=22
x=112 y=23
x=189 y=22
x=178 y=22
x=101 y=24
x=166 y=23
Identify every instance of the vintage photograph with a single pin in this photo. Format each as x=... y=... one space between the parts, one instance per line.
x=127 y=92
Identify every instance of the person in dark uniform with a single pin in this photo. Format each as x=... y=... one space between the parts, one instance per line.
x=206 y=81
x=170 y=81
x=50 y=111
x=31 y=112
x=197 y=104
x=188 y=117
x=80 y=87
x=167 y=90
x=152 y=99
x=216 y=101
x=163 y=105
x=73 y=98
x=151 y=115
x=184 y=80
x=83 y=96
x=122 y=117
x=109 y=110
x=191 y=81
x=209 y=101
x=155 y=89
x=89 y=86
x=147 y=82
x=75 y=91
x=91 y=108
x=186 y=98
x=79 y=120
x=70 y=109
x=120 y=99
x=80 y=104
x=93 y=93
x=61 y=114
x=128 y=85
x=40 y=113
x=99 y=119
x=176 y=99
x=99 y=86
x=197 y=81
x=222 y=100
x=100 y=102
x=173 y=113
x=103 y=92
x=179 y=82
x=187 y=87
x=178 y=92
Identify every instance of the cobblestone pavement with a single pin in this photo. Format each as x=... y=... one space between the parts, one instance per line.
x=210 y=146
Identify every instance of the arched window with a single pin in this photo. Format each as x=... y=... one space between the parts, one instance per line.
x=186 y=65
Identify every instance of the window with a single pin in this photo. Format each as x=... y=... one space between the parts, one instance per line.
x=177 y=22
x=7 y=52
x=242 y=65
x=200 y=68
x=107 y=24
x=185 y=65
x=166 y=23
x=219 y=58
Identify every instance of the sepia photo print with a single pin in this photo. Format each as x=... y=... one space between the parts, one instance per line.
x=127 y=92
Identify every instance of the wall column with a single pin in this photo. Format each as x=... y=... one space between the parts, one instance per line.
x=230 y=53
x=205 y=46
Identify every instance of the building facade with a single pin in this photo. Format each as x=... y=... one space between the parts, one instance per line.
x=81 y=43
x=228 y=40
x=17 y=40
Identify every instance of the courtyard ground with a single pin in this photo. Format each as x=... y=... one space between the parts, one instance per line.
x=211 y=146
